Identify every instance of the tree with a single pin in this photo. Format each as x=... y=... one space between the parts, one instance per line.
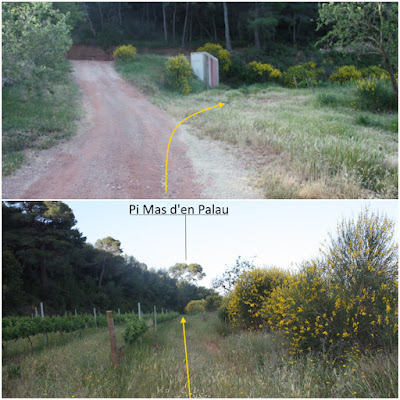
x=189 y=273
x=107 y=245
x=366 y=27
x=227 y=33
x=164 y=6
x=35 y=38
x=227 y=280
x=363 y=254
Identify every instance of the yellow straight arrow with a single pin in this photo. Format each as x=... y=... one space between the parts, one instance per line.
x=166 y=161
x=183 y=322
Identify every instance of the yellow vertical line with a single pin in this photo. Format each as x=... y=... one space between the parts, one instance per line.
x=187 y=363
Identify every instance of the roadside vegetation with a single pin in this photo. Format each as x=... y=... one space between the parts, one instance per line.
x=40 y=102
x=222 y=362
x=313 y=144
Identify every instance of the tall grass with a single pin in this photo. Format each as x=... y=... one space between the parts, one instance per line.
x=308 y=145
x=242 y=364
x=37 y=120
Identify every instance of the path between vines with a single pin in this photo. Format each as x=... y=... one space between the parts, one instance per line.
x=119 y=152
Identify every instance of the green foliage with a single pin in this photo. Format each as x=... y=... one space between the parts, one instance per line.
x=345 y=74
x=252 y=289
x=125 y=53
x=178 y=73
x=190 y=273
x=213 y=302
x=374 y=71
x=136 y=327
x=223 y=55
x=195 y=306
x=35 y=39
x=302 y=72
x=376 y=94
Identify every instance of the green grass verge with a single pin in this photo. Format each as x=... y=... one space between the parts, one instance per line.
x=242 y=364
x=314 y=144
x=37 y=120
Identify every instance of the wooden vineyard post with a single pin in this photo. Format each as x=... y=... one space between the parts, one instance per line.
x=36 y=312
x=295 y=81
x=111 y=330
x=139 y=311
x=95 y=316
x=155 y=318
x=42 y=313
x=119 y=311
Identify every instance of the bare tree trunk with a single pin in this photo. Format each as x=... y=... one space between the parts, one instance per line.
x=185 y=25
x=86 y=9
x=190 y=27
x=101 y=15
x=165 y=23
x=119 y=14
x=215 y=28
x=256 y=31
x=294 y=28
x=227 y=35
x=173 y=25
x=102 y=272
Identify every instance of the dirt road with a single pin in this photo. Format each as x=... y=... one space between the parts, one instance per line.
x=119 y=151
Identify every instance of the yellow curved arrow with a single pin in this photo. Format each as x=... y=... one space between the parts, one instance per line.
x=166 y=161
x=183 y=322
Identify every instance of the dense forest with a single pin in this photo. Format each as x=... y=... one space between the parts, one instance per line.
x=46 y=259
x=192 y=23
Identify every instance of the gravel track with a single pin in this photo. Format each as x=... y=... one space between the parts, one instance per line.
x=119 y=152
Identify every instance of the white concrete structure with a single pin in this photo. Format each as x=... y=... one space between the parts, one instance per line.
x=205 y=66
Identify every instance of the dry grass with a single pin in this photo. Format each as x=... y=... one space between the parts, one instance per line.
x=242 y=364
x=304 y=145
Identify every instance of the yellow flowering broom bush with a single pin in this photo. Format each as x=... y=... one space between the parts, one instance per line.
x=223 y=55
x=376 y=94
x=266 y=71
x=178 y=73
x=125 y=53
x=348 y=296
x=345 y=74
x=252 y=289
x=195 y=306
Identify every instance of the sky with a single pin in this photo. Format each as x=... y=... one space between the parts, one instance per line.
x=280 y=233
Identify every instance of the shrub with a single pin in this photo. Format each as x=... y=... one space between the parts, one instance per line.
x=213 y=302
x=302 y=72
x=265 y=70
x=178 y=73
x=375 y=71
x=135 y=328
x=376 y=94
x=345 y=74
x=195 y=306
x=224 y=57
x=252 y=289
x=348 y=297
x=125 y=53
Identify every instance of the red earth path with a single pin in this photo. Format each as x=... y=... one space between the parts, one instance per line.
x=119 y=153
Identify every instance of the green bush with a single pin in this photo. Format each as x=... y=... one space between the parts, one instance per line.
x=375 y=71
x=178 y=73
x=125 y=53
x=345 y=74
x=224 y=57
x=376 y=94
x=195 y=306
x=135 y=328
x=302 y=72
